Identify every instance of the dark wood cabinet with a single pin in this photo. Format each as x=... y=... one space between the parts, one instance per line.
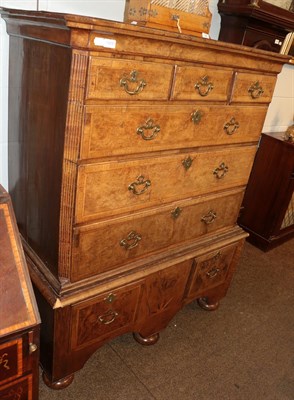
x=19 y=318
x=268 y=205
x=254 y=23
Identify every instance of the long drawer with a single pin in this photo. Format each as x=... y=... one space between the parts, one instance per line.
x=114 y=188
x=115 y=130
x=102 y=246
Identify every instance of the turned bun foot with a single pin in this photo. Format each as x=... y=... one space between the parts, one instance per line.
x=58 y=385
x=204 y=303
x=148 y=341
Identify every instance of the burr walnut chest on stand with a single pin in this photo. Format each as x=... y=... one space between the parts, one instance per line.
x=19 y=317
x=129 y=152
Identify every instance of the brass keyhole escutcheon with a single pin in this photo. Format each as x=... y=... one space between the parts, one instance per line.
x=196 y=116
x=204 y=87
x=176 y=212
x=187 y=163
x=132 y=81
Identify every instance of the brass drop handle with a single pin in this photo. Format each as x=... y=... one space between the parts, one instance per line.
x=148 y=126
x=231 y=126
x=140 y=182
x=213 y=272
x=108 y=317
x=204 y=87
x=187 y=163
x=209 y=218
x=133 y=79
x=196 y=116
x=221 y=171
x=255 y=90
x=32 y=348
x=131 y=241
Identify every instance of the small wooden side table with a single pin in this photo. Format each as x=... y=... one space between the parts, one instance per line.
x=19 y=316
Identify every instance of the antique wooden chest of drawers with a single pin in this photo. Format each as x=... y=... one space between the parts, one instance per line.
x=19 y=317
x=129 y=153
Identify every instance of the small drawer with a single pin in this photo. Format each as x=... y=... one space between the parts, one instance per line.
x=252 y=88
x=211 y=270
x=21 y=389
x=204 y=84
x=128 y=238
x=105 y=316
x=128 y=80
x=119 y=130
x=11 y=360
x=105 y=189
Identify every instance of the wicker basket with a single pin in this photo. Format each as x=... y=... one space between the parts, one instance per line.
x=184 y=16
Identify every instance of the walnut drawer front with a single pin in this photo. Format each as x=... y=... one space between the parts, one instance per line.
x=107 y=245
x=128 y=80
x=138 y=129
x=252 y=88
x=120 y=187
x=107 y=315
x=204 y=84
x=21 y=389
x=11 y=360
x=211 y=270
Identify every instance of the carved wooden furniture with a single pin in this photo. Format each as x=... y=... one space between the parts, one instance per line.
x=129 y=152
x=268 y=207
x=184 y=16
x=19 y=318
x=254 y=23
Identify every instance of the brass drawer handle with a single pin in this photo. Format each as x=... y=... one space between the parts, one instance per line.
x=131 y=241
x=196 y=116
x=221 y=171
x=139 y=182
x=204 y=87
x=176 y=212
x=187 y=163
x=209 y=218
x=124 y=82
x=255 y=90
x=108 y=317
x=32 y=348
x=213 y=272
x=231 y=126
x=149 y=125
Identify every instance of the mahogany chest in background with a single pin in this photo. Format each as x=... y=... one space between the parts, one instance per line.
x=268 y=206
x=19 y=318
x=254 y=23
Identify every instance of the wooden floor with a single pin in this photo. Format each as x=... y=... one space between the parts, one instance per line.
x=242 y=351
